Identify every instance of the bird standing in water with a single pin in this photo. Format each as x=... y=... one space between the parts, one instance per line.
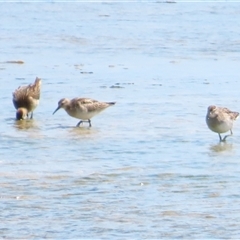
x=82 y=108
x=220 y=120
x=26 y=99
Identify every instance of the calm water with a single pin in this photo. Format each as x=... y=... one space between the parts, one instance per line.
x=149 y=167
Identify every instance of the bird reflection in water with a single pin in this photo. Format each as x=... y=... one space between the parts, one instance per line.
x=25 y=124
x=221 y=147
x=84 y=133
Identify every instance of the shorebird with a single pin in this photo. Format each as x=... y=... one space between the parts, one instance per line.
x=26 y=99
x=82 y=108
x=220 y=120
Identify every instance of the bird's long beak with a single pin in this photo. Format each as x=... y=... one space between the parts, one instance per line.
x=57 y=109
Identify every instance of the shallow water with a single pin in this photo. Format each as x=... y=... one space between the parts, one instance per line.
x=149 y=167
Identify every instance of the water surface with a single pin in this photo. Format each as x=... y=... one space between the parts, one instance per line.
x=149 y=167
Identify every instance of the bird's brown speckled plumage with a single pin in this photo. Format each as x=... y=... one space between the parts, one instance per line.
x=220 y=120
x=82 y=108
x=26 y=98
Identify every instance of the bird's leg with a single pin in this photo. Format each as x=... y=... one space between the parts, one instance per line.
x=79 y=123
x=31 y=115
x=231 y=133
x=89 y=121
x=225 y=137
x=220 y=138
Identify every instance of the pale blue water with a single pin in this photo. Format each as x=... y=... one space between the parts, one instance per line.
x=149 y=168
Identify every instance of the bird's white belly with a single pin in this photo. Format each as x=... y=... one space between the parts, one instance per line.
x=82 y=114
x=34 y=104
x=220 y=127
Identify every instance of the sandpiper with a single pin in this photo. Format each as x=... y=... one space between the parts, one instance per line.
x=82 y=108
x=26 y=99
x=220 y=120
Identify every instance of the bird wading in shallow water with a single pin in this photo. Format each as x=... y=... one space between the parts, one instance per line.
x=26 y=99
x=220 y=120
x=83 y=108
